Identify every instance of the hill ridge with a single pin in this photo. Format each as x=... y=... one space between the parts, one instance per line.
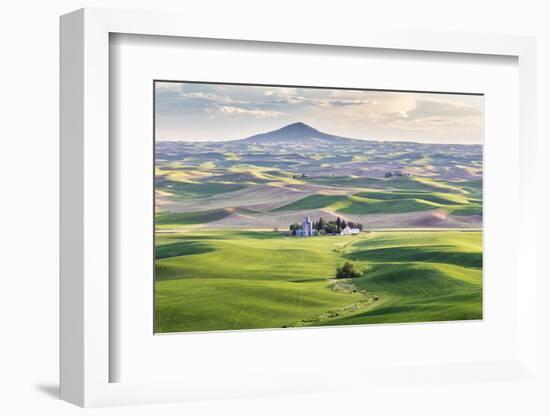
x=292 y=133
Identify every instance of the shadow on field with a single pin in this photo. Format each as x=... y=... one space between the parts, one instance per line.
x=182 y=248
x=432 y=254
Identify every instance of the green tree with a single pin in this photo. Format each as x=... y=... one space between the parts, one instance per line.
x=294 y=227
x=321 y=224
x=348 y=270
x=331 y=228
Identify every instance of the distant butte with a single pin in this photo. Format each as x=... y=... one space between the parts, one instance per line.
x=294 y=132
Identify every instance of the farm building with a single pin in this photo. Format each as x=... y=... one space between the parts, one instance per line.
x=350 y=231
x=307 y=229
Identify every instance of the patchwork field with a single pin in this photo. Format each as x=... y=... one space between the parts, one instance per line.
x=244 y=184
x=226 y=257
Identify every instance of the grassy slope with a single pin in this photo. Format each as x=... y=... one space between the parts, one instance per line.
x=316 y=201
x=196 y=217
x=221 y=304
x=436 y=197
x=385 y=202
x=248 y=255
x=362 y=206
x=421 y=276
x=395 y=183
x=209 y=280
x=237 y=280
x=185 y=190
x=375 y=195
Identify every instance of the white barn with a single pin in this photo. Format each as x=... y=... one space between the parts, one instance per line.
x=350 y=231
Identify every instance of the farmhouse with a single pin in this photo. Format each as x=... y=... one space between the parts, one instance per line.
x=349 y=231
x=307 y=229
x=323 y=227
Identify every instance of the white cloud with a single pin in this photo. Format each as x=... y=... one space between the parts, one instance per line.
x=168 y=87
x=256 y=113
x=235 y=111
x=208 y=96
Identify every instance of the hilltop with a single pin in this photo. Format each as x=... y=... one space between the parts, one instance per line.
x=295 y=133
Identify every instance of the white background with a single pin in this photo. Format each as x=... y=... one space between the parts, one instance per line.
x=138 y=60
x=29 y=159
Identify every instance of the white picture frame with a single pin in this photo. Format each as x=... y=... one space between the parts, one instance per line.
x=85 y=208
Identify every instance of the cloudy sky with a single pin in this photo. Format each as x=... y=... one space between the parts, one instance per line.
x=205 y=112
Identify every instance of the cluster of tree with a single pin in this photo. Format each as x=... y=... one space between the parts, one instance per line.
x=396 y=173
x=294 y=227
x=348 y=270
x=334 y=227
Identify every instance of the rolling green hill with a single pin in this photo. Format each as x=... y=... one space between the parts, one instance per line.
x=316 y=201
x=216 y=280
x=185 y=190
x=436 y=197
x=186 y=218
x=386 y=202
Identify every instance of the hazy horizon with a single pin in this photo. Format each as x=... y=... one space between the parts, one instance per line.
x=222 y=112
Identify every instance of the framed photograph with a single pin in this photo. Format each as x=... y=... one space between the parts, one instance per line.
x=281 y=213
x=289 y=226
